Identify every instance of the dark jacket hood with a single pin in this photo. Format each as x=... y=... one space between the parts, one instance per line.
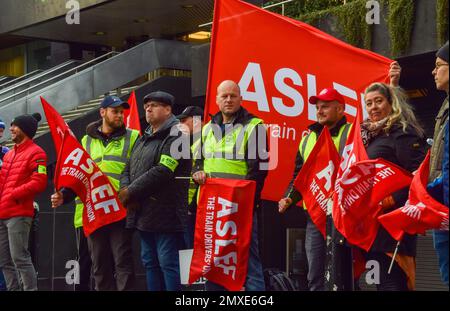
x=93 y=130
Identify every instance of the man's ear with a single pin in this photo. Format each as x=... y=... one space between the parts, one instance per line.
x=102 y=112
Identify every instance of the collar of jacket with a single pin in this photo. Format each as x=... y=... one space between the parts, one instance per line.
x=242 y=116
x=317 y=127
x=19 y=148
x=171 y=121
x=93 y=130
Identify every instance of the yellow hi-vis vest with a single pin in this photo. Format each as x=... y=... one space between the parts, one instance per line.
x=225 y=158
x=195 y=150
x=111 y=159
x=307 y=143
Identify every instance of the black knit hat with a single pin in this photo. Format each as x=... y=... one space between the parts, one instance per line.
x=442 y=53
x=27 y=123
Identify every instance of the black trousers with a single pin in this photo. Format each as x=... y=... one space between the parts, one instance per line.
x=396 y=280
x=112 y=257
x=84 y=260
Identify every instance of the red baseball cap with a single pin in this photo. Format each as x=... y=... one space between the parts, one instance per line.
x=327 y=95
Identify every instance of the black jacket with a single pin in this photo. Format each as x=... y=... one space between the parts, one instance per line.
x=243 y=117
x=160 y=199
x=406 y=149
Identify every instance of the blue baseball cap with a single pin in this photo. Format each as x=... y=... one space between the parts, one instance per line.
x=113 y=101
x=2 y=124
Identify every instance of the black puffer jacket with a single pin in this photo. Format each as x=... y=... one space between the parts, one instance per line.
x=406 y=149
x=161 y=199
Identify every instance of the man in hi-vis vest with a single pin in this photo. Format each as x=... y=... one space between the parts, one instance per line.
x=109 y=143
x=330 y=113
x=191 y=119
x=241 y=152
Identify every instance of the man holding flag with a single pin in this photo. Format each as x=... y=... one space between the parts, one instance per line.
x=234 y=128
x=109 y=143
x=330 y=107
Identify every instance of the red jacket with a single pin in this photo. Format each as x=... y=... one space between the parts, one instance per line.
x=22 y=177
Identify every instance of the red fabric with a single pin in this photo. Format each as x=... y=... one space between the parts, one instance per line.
x=315 y=181
x=363 y=186
x=277 y=76
x=20 y=181
x=56 y=124
x=359 y=263
x=223 y=232
x=420 y=213
x=132 y=114
x=76 y=170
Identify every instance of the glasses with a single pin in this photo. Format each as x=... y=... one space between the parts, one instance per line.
x=439 y=65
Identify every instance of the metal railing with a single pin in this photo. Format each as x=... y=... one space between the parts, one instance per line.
x=23 y=77
x=59 y=76
x=37 y=77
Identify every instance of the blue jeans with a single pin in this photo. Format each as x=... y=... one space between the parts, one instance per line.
x=255 y=275
x=440 y=239
x=315 y=248
x=2 y=281
x=159 y=254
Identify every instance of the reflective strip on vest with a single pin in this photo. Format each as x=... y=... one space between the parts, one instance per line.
x=308 y=142
x=225 y=157
x=193 y=186
x=111 y=159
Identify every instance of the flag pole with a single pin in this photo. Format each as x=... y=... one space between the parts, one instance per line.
x=393 y=257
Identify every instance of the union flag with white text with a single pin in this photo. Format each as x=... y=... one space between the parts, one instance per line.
x=223 y=232
x=315 y=181
x=76 y=170
x=420 y=213
x=277 y=76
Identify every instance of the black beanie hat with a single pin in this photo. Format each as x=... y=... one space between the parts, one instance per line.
x=442 y=53
x=27 y=123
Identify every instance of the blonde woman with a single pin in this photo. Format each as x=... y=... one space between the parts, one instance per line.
x=392 y=132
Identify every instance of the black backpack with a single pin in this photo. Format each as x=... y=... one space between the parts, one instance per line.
x=277 y=280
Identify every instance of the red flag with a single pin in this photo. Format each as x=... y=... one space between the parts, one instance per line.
x=277 y=76
x=223 y=232
x=56 y=124
x=76 y=170
x=132 y=114
x=420 y=213
x=315 y=181
x=353 y=151
x=362 y=187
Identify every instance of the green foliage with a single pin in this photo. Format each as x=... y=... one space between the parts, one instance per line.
x=400 y=24
x=442 y=20
x=351 y=19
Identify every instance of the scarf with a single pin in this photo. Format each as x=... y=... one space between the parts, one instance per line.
x=371 y=130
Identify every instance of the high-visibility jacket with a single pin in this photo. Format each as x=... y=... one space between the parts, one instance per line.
x=308 y=142
x=195 y=150
x=110 y=158
x=225 y=158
